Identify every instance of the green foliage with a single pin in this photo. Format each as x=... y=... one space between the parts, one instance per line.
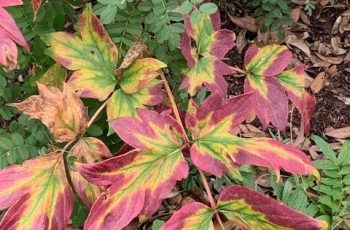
x=273 y=13
x=334 y=187
x=328 y=200
x=309 y=7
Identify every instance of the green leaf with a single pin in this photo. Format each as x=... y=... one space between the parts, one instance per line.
x=208 y=8
x=325 y=148
x=344 y=154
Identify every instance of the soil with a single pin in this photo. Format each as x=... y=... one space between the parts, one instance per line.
x=333 y=101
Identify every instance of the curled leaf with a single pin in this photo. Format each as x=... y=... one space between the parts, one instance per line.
x=37 y=194
x=61 y=111
x=250 y=209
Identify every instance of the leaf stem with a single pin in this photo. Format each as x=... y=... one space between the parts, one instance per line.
x=238 y=70
x=179 y=121
x=98 y=111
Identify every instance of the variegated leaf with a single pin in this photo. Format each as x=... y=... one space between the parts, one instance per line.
x=216 y=149
x=252 y=210
x=204 y=62
x=140 y=179
x=9 y=35
x=87 y=150
x=92 y=55
x=122 y=104
x=37 y=194
x=293 y=81
x=192 y=216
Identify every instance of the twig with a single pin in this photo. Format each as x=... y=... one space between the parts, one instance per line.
x=178 y=119
x=238 y=70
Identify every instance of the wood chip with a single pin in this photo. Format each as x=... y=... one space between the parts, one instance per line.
x=332 y=60
x=340 y=133
x=246 y=22
x=332 y=71
x=335 y=28
x=324 y=2
x=241 y=41
x=318 y=83
x=304 y=18
x=346 y=13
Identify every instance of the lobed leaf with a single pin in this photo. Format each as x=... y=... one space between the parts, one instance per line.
x=9 y=35
x=293 y=81
x=87 y=150
x=252 y=210
x=191 y=216
x=265 y=78
x=211 y=127
x=62 y=112
x=37 y=194
x=204 y=61
x=122 y=104
x=92 y=55
x=140 y=179
x=139 y=74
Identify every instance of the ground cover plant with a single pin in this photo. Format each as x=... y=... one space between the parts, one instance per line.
x=127 y=105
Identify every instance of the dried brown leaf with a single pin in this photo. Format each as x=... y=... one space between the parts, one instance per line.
x=62 y=112
x=293 y=40
x=295 y=14
x=340 y=133
x=318 y=83
x=246 y=22
x=332 y=60
x=134 y=52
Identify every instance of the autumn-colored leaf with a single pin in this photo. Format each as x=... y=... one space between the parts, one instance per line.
x=122 y=104
x=205 y=65
x=140 y=179
x=211 y=127
x=195 y=216
x=138 y=88
x=36 y=4
x=252 y=210
x=269 y=84
x=92 y=55
x=87 y=150
x=55 y=76
x=9 y=35
x=37 y=194
x=61 y=111
x=293 y=81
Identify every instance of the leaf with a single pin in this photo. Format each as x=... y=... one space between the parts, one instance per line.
x=140 y=179
x=62 y=112
x=211 y=127
x=134 y=52
x=204 y=61
x=248 y=208
x=9 y=35
x=325 y=148
x=293 y=81
x=139 y=74
x=37 y=194
x=122 y=104
x=87 y=150
x=263 y=65
x=55 y=76
x=195 y=216
x=36 y=4
x=92 y=55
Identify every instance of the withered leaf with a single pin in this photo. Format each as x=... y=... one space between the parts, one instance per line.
x=62 y=112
